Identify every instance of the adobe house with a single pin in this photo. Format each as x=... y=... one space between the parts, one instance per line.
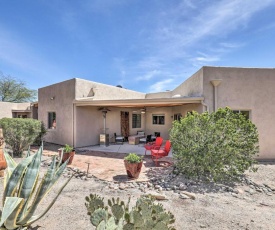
x=72 y=110
x=19 y=110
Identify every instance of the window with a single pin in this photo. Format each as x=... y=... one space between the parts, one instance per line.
x=177 y=116
x=189 y=113
x=246 y=113
x=158 y=119
x=22 y=116
x=136 y=121
x=52 y=120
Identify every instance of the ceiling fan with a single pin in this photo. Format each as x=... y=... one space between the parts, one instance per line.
x=143 y=110
x=104 y=109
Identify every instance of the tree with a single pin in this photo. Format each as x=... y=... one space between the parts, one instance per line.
x=217 y=146
x=13 y=90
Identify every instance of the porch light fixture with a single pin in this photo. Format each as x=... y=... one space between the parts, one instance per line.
x=143 y=110
x=52 y=98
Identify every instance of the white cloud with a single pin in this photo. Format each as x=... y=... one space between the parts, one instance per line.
x=148 y=75
x=207 y=59
x=214 y=20
x=188 y=26
x=230 y=45
x=161 y=85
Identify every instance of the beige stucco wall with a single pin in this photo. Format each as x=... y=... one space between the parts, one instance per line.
x=192 y=87
x=166 y=94
x=183 y=110
x=23 y=106
x=168 y=112
x=89 y=124
x=7 y=107
x=163 y=129
x=63 y=94
x=246 y=89
x=103 y=92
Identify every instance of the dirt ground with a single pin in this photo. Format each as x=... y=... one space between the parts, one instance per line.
x=210 y=210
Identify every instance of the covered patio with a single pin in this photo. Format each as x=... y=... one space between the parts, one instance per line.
x=127 y=117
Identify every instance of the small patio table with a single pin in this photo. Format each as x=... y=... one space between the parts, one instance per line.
x=134 y=140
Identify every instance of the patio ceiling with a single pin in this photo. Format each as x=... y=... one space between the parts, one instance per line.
x=21 y=111
x=136 y=103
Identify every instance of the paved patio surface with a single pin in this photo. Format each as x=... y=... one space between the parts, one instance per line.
x=106 y=163
x=119 y=148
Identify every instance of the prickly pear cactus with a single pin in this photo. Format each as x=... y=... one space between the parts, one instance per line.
x=93 y=202
x=148 y=215
x=117 y=207
x=98 y=216
x=144 y=215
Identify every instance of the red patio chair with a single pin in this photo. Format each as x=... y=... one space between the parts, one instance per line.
x=156 y=144
x=160 y=152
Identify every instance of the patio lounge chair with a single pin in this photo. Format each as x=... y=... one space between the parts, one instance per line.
x=156 y=144
x=156 y=134
x=118 y=138
x=160 y=152
x=145 y=140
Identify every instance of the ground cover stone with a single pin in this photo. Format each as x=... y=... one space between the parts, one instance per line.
x=214 y=206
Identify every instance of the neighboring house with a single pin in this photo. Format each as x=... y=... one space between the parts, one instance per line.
x=18 y=110
x=72 y=109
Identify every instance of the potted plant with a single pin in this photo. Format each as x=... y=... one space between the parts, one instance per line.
x=68 y=152
x=133 y=164
x=3 y=164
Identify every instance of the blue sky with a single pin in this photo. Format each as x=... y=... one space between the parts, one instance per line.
x=143 y=45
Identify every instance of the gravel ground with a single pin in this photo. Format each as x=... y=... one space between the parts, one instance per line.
x=238 y=207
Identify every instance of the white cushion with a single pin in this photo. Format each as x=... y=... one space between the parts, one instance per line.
x=140 y=133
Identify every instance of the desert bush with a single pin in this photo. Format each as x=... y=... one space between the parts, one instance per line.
x=20 y=133
x=146 y=214
x=43 y=131
x=217 y=146
x=23 y=190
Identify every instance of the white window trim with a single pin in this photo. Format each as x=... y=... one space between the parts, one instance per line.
x=48 y=125
x=245 y=110
x=163 y=115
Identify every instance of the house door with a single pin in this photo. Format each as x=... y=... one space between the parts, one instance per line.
x=124 y=121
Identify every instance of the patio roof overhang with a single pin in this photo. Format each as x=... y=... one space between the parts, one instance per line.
x=21 y=111
x=135 y=103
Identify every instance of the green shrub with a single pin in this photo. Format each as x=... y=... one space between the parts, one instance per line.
x=144 y=215
x=20 y=133
x=43 y=132
x=133 y=158
x=67 y=148
x=216 y=146
x=23 y=190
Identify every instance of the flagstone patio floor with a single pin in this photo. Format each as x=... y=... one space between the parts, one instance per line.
x=106 y=163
